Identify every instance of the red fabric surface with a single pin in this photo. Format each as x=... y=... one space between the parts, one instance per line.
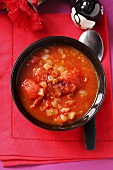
x=24 y=143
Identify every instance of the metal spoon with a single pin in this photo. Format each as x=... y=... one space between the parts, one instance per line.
x=93 y=40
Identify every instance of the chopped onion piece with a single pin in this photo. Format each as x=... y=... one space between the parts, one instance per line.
x=65 y=109
x=83 y=92
x=85 y=80
x=49 y=62
x=63 y=55
x=46 y=50
x=58 y=120
x=59 y=106
x=64 y=118
x=60 y=50
x=71 y=115
x=47 y=66
x=63 y=74
x=55 y=102
x=45 y=56
x=61 y=68
x=51 y=112
x=36 y=71
x=43 y=84
x=50 y=78
x=41 y=92
x=42 y=108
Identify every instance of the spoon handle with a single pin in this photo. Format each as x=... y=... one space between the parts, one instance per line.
x=90 y=134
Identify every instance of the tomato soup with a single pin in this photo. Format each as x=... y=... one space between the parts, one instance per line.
x=58 y=84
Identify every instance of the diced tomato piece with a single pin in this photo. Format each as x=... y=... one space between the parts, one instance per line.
x=40 y=74
x=60 y=89
x=54 y=90
x=37 y=101
x=30 y=88
x=75 y=78
x=69 y=84
x=67 y=88
x=80 y=81
x=34 y=60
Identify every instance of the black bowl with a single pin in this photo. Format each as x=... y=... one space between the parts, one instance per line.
x=60 y=40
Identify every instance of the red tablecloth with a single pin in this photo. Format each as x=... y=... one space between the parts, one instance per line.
x=24 y=143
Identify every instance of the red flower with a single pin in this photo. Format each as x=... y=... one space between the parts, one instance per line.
x=22 y=14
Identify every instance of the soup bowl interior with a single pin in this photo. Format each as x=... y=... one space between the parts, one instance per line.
x=59 y=40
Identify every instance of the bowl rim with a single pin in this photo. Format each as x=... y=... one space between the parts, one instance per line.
x=63 y=41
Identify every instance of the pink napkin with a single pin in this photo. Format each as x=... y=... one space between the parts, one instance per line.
x=24 y=143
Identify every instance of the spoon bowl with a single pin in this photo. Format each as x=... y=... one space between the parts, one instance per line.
x=94 y=41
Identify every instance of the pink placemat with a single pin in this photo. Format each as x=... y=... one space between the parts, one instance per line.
x=24 y=143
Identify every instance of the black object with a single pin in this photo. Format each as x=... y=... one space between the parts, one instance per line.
x=87 y=13
x=90 y=134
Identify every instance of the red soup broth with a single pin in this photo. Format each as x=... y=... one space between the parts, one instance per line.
x=58 y=84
